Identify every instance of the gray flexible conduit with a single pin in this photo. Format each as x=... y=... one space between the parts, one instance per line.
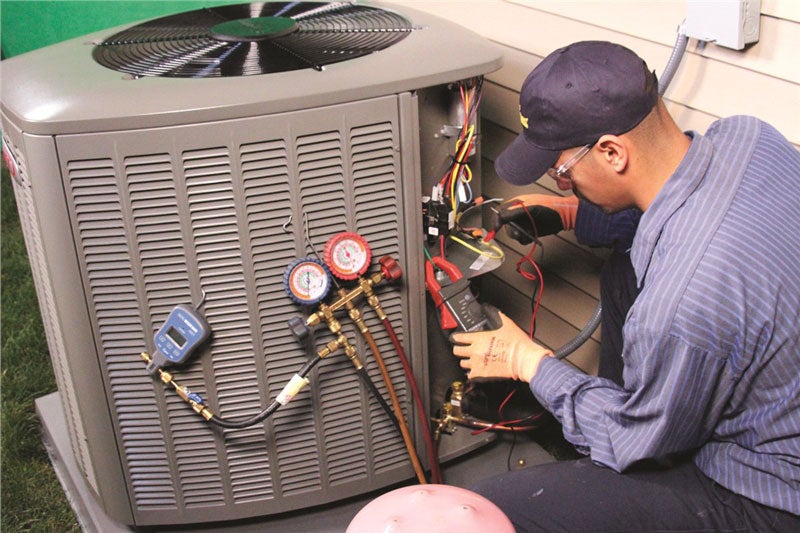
x=582 y=336
x=674 y=59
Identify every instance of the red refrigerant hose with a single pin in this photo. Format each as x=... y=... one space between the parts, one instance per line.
x=436 y=474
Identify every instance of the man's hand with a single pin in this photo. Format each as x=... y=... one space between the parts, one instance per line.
x=504 y=353
x=536 y=215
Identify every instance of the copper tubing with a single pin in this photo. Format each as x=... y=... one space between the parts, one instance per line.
x=482 y=425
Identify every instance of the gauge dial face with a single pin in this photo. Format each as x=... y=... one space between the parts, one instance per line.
x=347 y=255
x=307 y=281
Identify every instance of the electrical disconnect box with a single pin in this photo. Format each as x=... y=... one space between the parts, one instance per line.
x=729 y=23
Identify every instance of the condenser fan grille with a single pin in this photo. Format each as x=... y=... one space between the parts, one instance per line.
x=248 y=39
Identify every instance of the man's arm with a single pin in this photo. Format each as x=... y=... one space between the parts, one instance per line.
x=538 y=215
x=593 y=227
x=672 y=399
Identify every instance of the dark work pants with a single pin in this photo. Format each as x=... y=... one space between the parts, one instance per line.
x=576 y=496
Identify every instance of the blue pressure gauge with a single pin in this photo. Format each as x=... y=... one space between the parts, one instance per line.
x=307 y=281
x=183 y=331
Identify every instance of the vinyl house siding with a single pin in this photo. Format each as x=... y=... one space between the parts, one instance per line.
x=711 y=82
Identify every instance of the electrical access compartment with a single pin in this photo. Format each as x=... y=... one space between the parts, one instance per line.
x=137 y=193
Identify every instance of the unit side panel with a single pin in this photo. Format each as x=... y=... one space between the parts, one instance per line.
x=55 y=268
x=172 y=215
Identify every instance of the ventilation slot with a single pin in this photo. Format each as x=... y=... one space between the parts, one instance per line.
x=101 y=228
x=320 y=165
x=176 y=215
x=374 y=161
x=344 y=423
x=55 y=336
x=219 y=265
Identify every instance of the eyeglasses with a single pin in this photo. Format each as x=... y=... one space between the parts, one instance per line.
x=562 y=173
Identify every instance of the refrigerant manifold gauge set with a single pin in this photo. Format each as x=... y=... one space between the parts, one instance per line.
x=308 y=280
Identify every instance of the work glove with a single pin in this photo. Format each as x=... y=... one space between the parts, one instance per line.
x=530 y=216
x=503 y=353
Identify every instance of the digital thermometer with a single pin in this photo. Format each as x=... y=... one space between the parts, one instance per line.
x=183 y=331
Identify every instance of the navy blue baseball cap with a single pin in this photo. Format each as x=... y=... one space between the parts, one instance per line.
x=573 y=97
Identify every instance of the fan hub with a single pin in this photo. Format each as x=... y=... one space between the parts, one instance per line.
x=253 y=29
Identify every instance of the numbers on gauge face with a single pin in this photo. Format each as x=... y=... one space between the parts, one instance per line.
x=347 y=255
x=307 y=280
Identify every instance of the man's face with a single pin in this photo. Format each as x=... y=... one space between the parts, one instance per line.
x=589 y=180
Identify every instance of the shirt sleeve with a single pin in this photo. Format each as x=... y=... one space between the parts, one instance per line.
x=670 y=402
x=593 y=227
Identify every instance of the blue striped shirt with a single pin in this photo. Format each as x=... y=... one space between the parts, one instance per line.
x=712 y=343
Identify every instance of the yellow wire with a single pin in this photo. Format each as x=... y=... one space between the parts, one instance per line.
x=497 y=255
x=453 y=199
x=468 y=172
x=462 y=145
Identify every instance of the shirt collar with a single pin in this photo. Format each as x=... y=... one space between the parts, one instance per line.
x=677 y=189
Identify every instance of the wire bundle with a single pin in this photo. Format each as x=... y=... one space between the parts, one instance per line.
x=459 y=175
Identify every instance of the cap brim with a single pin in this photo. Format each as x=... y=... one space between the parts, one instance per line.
x=522 y=163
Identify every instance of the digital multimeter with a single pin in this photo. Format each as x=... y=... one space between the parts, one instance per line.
x=183 y=331
x=464 y=307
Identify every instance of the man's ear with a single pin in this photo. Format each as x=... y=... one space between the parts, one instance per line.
x=614 y=151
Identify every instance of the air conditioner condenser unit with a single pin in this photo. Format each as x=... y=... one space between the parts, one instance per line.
x=196 y=156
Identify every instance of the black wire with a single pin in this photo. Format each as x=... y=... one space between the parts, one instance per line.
x=534 y=294
x=274 y=406
x=511 y=449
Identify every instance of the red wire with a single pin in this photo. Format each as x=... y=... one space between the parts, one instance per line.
x=532 y=277
x=528 y=259
x=504 y=402
x=446 y=180
x=466 y=109
x=508 y=423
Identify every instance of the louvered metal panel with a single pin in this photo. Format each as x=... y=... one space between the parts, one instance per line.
x=171 y=215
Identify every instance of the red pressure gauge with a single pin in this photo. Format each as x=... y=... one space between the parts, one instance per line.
x=347 y=255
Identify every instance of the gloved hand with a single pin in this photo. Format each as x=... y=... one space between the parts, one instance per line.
x=549 y=213
x=503 y=353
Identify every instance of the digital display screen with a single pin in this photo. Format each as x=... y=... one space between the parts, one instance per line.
x=176 y=337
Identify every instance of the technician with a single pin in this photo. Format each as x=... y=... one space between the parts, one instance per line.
x=696 y=425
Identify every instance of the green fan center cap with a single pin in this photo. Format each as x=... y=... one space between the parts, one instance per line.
x=253 y=29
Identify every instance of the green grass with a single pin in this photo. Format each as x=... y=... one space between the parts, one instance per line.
x=32 y=498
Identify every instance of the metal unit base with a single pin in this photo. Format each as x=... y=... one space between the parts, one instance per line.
x=489 y=460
